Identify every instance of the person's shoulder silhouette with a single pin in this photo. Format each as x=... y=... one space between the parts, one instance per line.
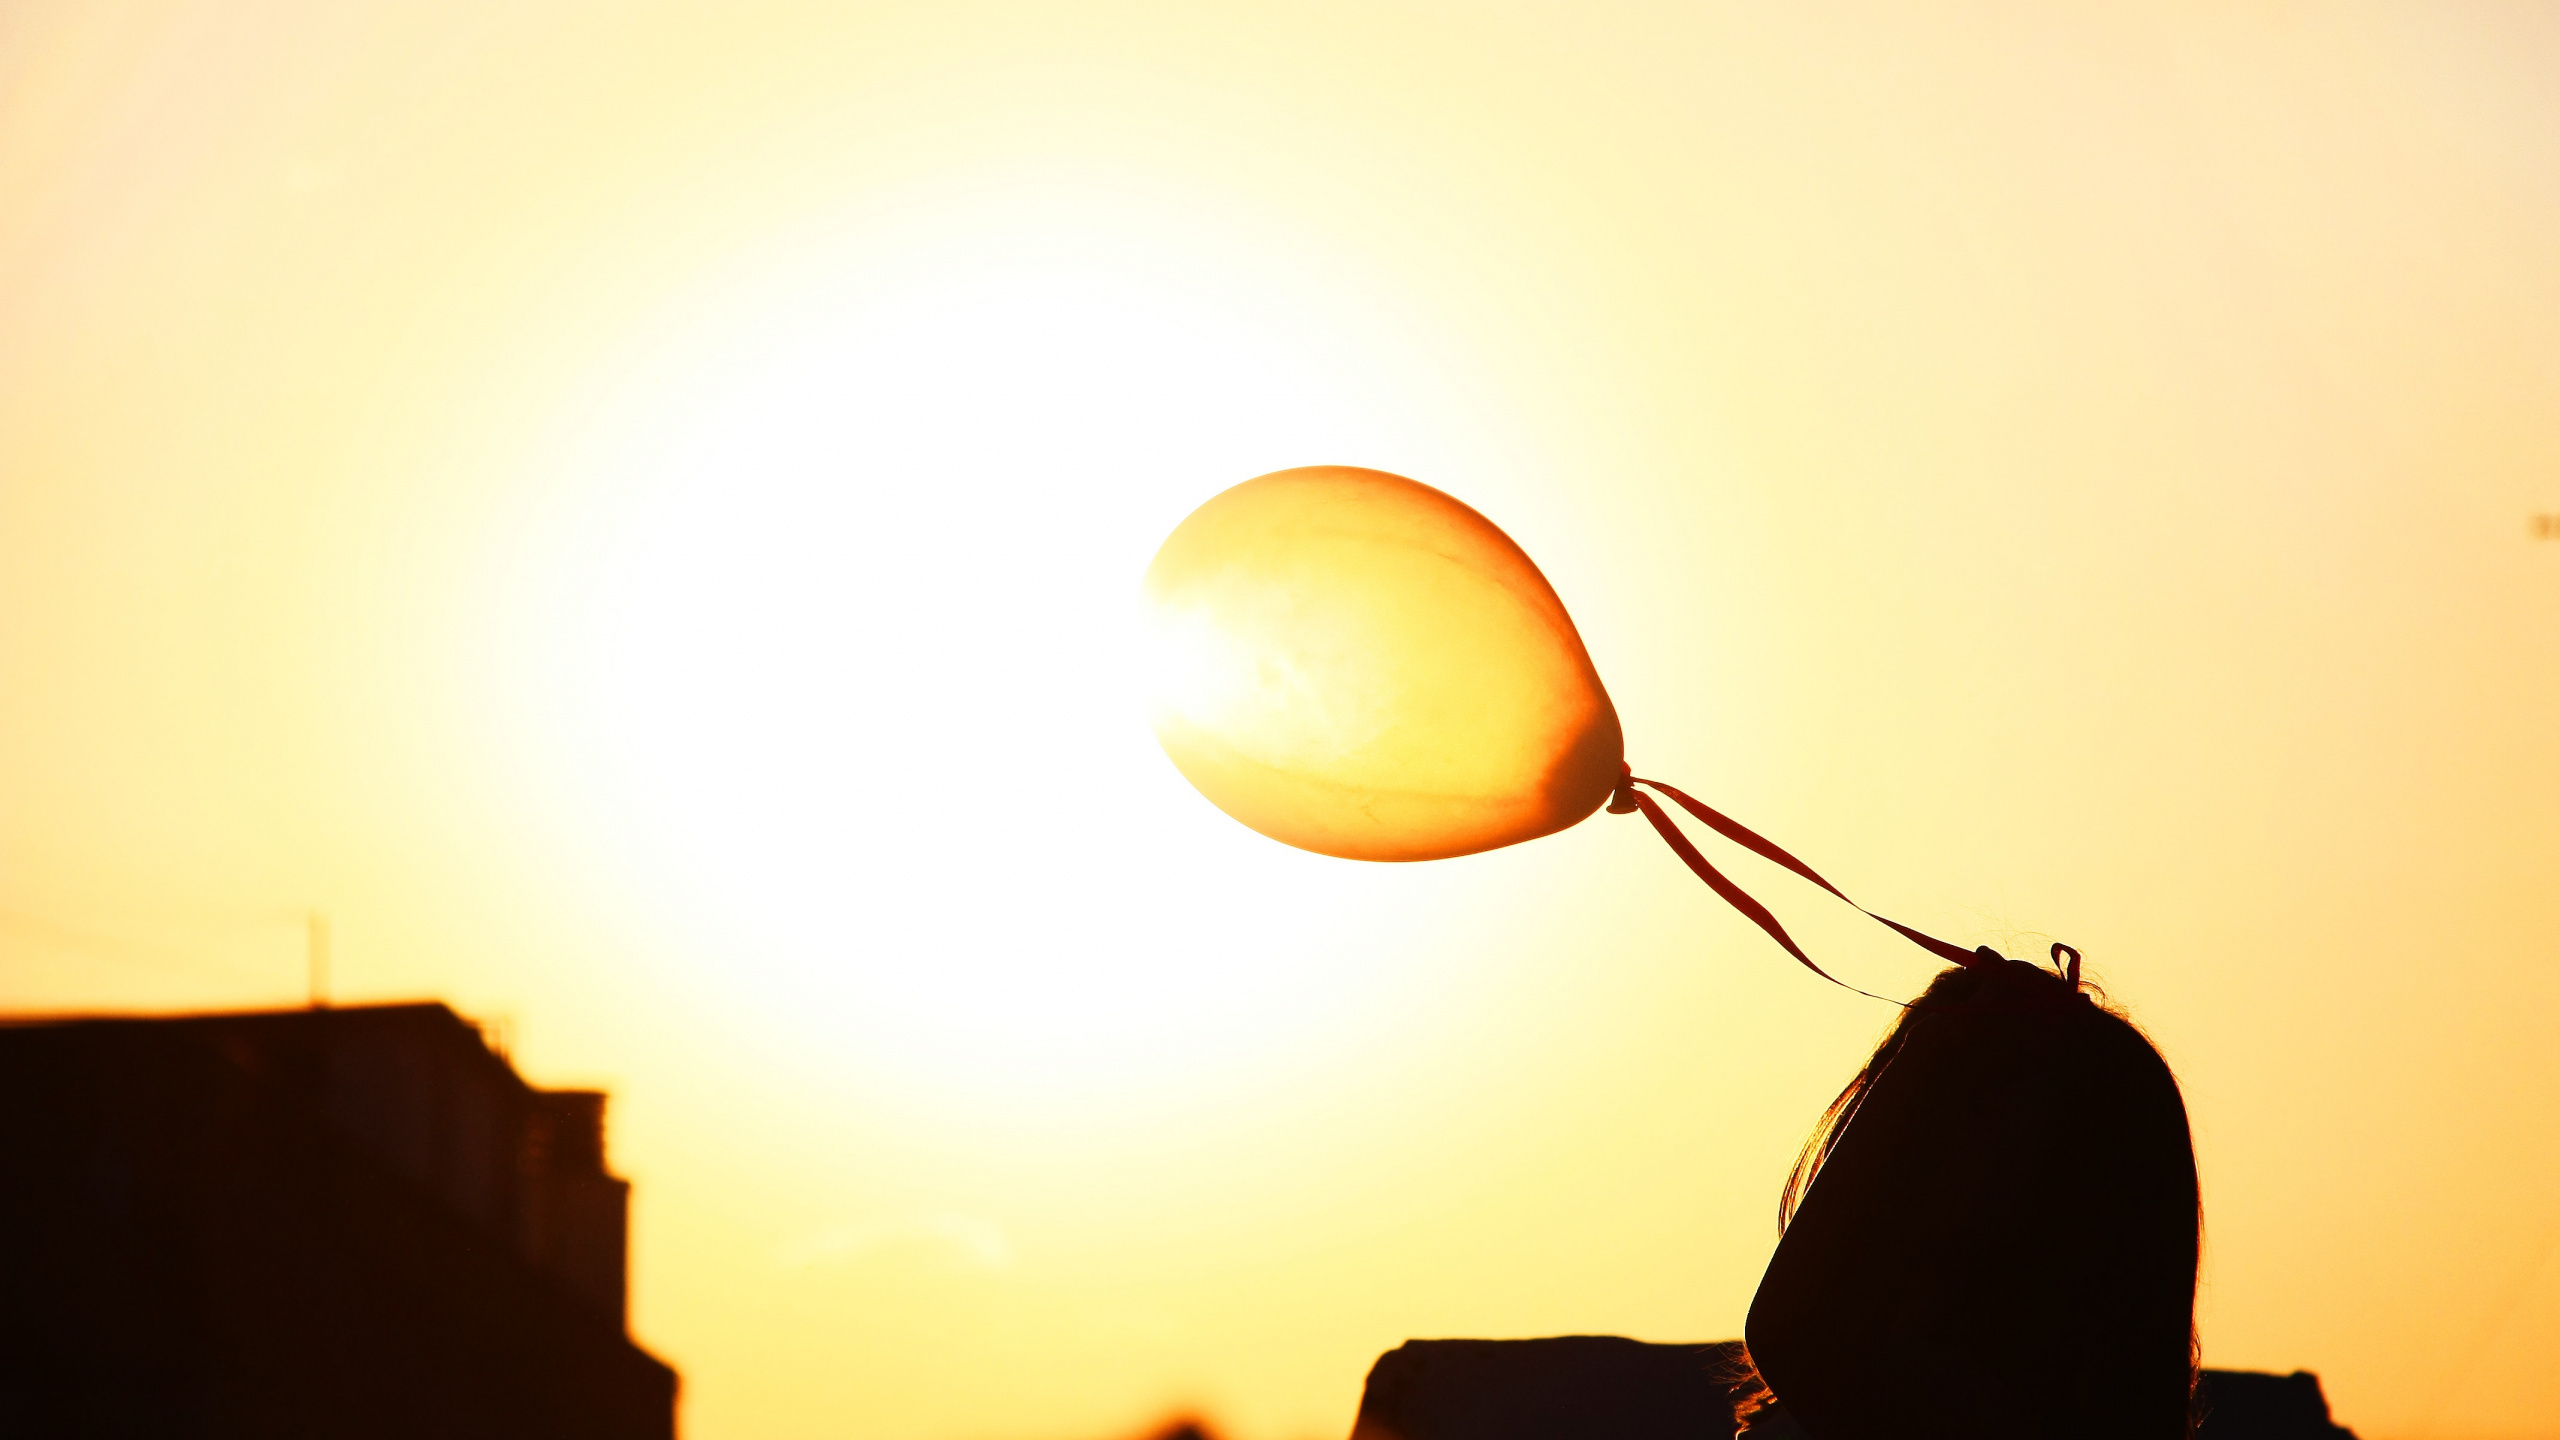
x=1995 y=1232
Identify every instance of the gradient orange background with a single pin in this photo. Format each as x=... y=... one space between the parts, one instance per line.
x=634 y=511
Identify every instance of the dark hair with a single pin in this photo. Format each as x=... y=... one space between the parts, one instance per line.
x=1993 y=1231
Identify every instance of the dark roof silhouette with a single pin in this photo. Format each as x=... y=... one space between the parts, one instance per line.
x=1570 y=1385
x=307 y=1223
x=2248 y=1405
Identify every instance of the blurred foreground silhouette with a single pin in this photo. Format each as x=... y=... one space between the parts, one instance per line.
x=1602 y=1387
x=363 y=1222
x=307 y=1223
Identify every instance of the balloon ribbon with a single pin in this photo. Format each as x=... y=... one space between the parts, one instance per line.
x=1628 y=797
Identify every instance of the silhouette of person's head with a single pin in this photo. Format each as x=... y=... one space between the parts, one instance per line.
x=1994 y=1232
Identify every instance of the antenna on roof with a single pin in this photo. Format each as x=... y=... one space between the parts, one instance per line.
x=318 y=933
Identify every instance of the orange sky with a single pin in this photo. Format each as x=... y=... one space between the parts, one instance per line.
x=634 y=510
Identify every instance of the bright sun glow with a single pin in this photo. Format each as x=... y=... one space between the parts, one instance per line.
x=837 y=631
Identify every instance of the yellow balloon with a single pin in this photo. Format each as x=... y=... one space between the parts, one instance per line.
x=1356 y=664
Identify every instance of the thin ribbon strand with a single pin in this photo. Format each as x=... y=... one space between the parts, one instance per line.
x=1628 y=797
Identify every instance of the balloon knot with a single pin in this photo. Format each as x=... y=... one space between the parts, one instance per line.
x=1622 y=801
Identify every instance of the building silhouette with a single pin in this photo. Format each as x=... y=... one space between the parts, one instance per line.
x=326 y=1222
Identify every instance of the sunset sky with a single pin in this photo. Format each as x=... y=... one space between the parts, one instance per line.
x=635 y=512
